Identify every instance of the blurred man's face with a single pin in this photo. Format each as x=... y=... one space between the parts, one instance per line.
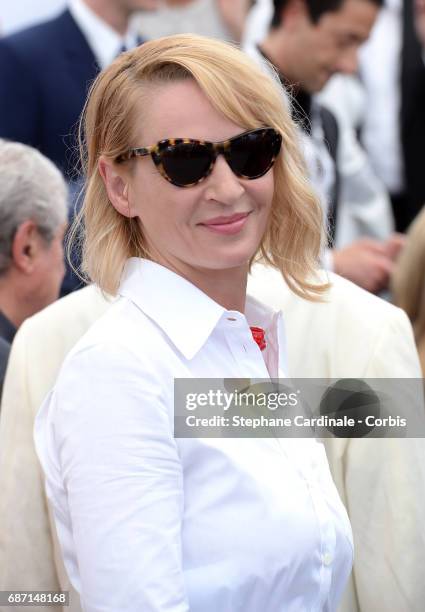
x=331 y=45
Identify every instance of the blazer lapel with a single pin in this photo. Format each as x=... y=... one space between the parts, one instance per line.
x=81 y=62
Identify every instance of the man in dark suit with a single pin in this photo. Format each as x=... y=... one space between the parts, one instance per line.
x=46 y=71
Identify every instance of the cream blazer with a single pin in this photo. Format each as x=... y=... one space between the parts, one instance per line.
x=381 y=482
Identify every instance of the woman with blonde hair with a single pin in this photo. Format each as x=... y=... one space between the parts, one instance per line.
x=408 y=282
x=193 y=172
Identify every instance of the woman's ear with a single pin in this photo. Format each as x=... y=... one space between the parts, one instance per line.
x=116 y=183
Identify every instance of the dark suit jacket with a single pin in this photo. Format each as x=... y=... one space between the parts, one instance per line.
x=7 y=333
x=302 y=114
x=4 y=356
x=412 y=115
x=45 y=72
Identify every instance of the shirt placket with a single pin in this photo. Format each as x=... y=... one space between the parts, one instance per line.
x=249 y=361
x=247 y=355
x=308 y=465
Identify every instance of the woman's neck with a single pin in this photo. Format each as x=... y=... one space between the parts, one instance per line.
x=226 y=287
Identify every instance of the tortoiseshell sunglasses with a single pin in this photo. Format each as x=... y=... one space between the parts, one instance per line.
x=186 y=162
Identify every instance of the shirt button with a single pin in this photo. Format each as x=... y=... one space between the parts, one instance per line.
x=327 y=559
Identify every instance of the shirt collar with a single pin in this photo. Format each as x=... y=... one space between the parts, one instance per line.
x=186 y=314
x=103 y=40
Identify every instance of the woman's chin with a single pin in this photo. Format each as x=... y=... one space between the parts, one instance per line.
x=226 y=261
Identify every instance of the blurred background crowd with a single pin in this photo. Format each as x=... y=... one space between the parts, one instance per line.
x=351 y=71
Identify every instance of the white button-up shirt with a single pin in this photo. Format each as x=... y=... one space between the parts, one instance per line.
x=148 y=522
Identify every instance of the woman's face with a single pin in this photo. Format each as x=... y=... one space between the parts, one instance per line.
x=191 y=227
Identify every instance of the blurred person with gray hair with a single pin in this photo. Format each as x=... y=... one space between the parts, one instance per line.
x=33 y=217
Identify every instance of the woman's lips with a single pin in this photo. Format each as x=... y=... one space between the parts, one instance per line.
x=226 y=225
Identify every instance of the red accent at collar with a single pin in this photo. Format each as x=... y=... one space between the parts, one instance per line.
x=259 y=336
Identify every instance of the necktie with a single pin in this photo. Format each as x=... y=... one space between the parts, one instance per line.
x=125 y=48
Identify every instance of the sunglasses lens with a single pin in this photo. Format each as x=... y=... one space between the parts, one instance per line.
x=252 y=155
x=186 y=163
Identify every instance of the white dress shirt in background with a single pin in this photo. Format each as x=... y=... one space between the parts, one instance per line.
x=103 y=40
x=150 y=522
x=380 y=69
x=257 y=23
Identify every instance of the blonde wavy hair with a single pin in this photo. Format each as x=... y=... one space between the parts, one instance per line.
x=238 y=89
x=408 y=281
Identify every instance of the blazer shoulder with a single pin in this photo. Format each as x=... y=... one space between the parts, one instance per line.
x=41 y=39
x=348 y=311
x=76 y=311
x=350 y=332
x=344 y=301
x=367 y=333
x=359 y=305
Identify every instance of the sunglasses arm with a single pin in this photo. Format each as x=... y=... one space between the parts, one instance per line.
x=140 y=152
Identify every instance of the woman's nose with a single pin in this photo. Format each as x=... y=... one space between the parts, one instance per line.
x=222 y=184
